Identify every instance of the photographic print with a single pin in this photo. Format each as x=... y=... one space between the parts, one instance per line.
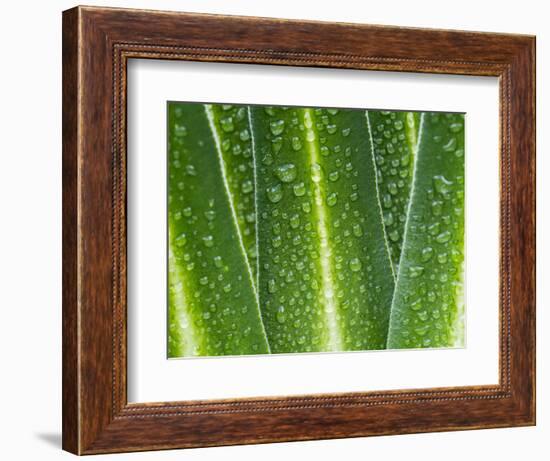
x=281 y=204
x=311 y=229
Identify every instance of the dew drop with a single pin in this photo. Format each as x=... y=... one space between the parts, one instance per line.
x=437 y=207
x=442 y=185
x=181 y=240
x=426 y=254
x=244 y=135
x=247 y=186
x=444 y=237
x=299 y=189
x=286 y=173
x=416 y=305
x=275 y=193
x=415 y=271
x=394 y=236
x=190 y=170
x=277 y=127
x=180 y=130
x=332 y=199
x=276 y=241
x=455 y=127
x=331 y=128
x=296 y=143
x=281 y=316
x=227 y=124
x=316 y=173
x=236 y=149
x=392 y=188
x=276 y=144
x=421 y=331
x=450 y=146
x=433 y=229
x=355 y=265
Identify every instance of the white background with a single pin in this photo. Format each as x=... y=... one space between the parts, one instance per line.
x=153 y=378
x=30 y=247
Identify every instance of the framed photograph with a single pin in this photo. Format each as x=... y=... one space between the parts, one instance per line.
x=282 y=230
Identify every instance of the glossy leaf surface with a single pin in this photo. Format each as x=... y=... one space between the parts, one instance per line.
x=230 y=124
x=213 y=308
x=394 y=138
x=427 y=308
x=298 y=229
x=325 y=279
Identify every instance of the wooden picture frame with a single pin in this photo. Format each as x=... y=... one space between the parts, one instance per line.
x=97 y=44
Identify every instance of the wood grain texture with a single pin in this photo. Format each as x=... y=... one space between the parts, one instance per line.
x=97 y=43
x=70 y=382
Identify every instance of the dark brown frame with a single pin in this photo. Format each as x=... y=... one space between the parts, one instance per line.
x=97 y=43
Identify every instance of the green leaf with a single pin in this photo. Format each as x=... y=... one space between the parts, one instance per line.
x=394 y=139
x=213 y=307
x=325 y=280
x=233 y=131
x=427 y=309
